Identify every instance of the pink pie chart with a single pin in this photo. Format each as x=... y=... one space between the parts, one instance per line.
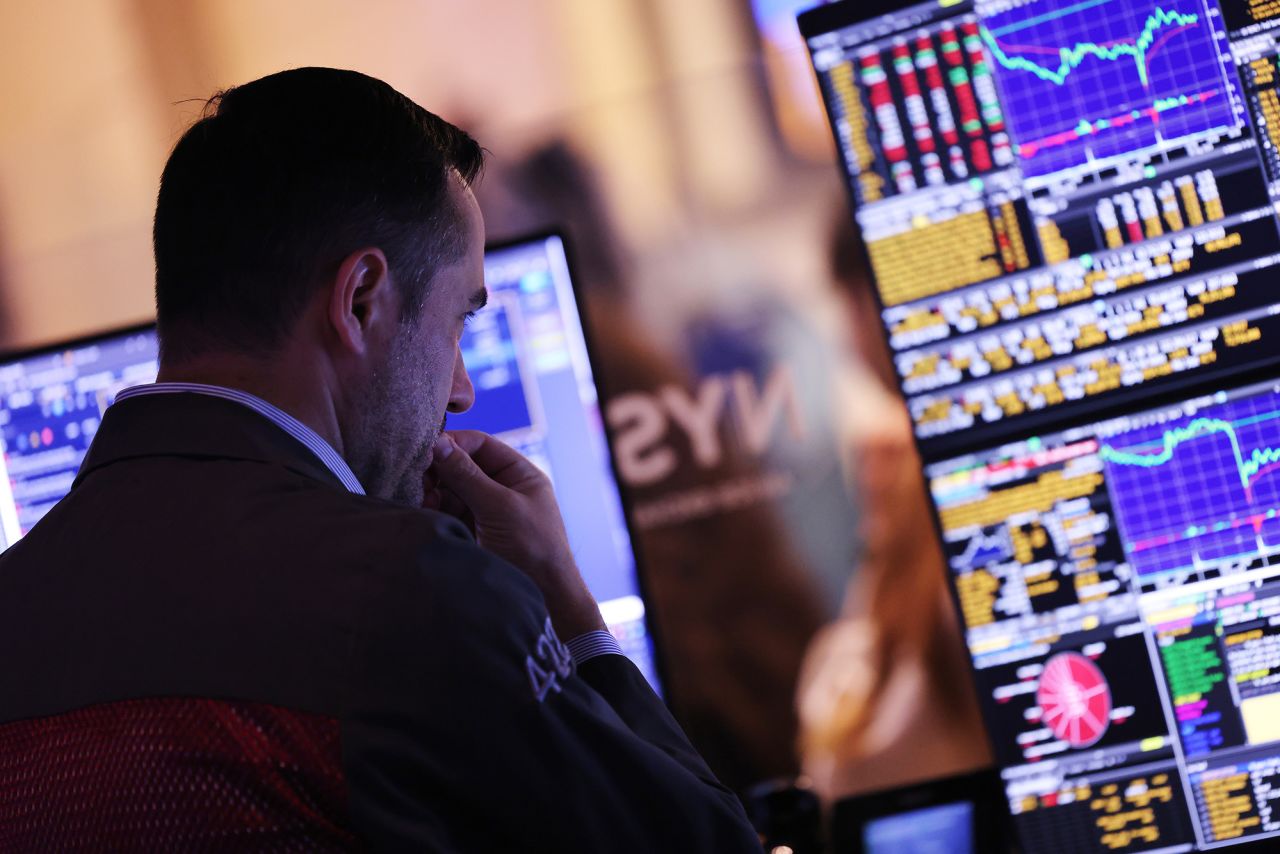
x=1075 y=699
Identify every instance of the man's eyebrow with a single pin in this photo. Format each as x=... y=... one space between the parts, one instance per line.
x=479 y=299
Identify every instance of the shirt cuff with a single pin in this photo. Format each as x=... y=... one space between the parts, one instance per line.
x=587 y=646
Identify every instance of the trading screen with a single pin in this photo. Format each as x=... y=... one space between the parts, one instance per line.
x=930 y=830
x=1070 y=210
x=51 y=403
x=534 y=389
x=527 y=358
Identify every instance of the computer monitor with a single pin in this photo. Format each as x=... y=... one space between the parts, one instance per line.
x=51 y=402
x=954 y=815
x=1070 y=211
x=527 y=357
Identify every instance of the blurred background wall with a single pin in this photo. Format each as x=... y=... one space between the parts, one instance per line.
x=666 y=97
x=680 y=145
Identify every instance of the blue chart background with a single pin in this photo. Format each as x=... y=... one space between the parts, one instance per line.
x=527 y=317
x=1192 y=499
x=1182 y=60
x=489 y=352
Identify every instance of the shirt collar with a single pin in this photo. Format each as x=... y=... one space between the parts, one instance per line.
x=331 y=459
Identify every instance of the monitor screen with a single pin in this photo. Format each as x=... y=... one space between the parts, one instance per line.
x=534 y=389
x=527 y=357
x=949 y=815
x=1070 y=211
x=946 y=829
x=51 y=402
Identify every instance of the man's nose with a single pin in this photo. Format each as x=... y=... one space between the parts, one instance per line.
x=462 y=393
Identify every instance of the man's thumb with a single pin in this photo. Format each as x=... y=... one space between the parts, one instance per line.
x=456 y=470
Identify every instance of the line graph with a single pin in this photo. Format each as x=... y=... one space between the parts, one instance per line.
x=1140 y=50
x=1201 y=492
x=1259 y=462
x=983 y=549
x=1090 y=80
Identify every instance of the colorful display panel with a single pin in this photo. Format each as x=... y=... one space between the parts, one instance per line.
x=1070 y=211
x=1120 y=593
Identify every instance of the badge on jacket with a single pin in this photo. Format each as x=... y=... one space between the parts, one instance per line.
x=549 y=663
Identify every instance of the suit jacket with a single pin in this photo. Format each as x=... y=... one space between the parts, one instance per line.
x=209 y=643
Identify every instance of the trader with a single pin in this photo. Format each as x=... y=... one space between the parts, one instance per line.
x=243 y=627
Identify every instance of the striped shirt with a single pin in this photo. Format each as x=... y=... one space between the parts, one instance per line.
x=332 y=460
x=583 y=648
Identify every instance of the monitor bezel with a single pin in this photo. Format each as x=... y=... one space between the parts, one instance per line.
x=22 y=353
x=831 y=16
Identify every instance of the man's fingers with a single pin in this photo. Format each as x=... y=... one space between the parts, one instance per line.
x=459 y=473
x=495 y=458
x=468 y=440
x=492 y=455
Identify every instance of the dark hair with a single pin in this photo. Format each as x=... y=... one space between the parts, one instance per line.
x=278 y=182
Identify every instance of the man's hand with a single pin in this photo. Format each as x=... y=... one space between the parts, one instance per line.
x=510 y=505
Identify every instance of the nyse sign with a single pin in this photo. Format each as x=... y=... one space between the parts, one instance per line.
x=723 y=409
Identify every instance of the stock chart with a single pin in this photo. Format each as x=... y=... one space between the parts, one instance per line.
x=1088 y=80
x=931 y=105
x=1070 y=213
x=1029 y=536
x=1114 y=810
x=1200 y=493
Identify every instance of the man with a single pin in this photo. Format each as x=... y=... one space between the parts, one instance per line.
x=219 y=640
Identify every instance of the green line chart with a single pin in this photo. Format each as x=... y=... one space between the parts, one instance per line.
x=1258 y=462
x=1085 y=81
x=1200 y=490
x=1147 y=42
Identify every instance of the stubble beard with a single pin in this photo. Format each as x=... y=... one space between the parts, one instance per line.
x=398 y=419
x=410 y=489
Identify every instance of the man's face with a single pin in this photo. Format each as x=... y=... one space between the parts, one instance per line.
x=423 y=376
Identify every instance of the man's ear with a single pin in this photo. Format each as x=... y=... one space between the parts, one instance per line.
x=361 y=298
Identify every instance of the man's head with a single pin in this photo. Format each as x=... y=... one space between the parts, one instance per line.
x=316 y=234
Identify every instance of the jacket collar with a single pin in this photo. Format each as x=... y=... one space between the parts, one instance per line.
x=194 y=425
